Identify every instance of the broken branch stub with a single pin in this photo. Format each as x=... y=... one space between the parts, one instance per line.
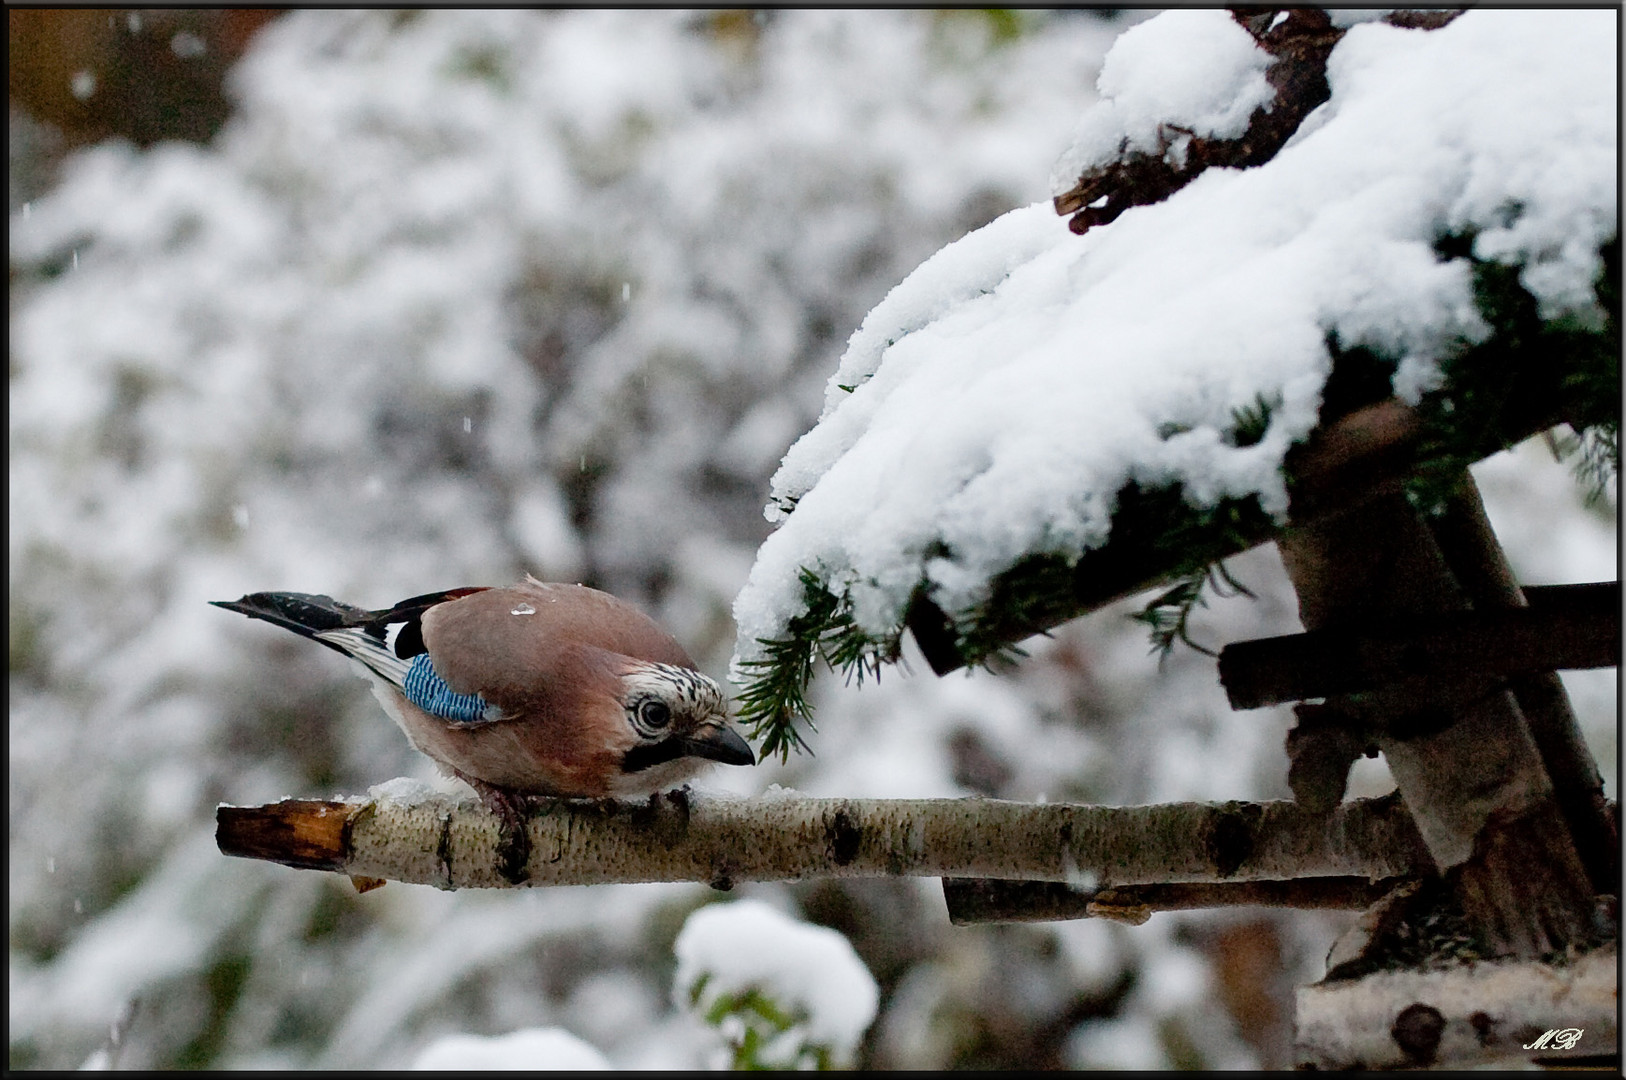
x=1299 y=40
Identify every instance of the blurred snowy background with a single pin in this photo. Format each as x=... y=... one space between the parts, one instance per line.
x=441 y=297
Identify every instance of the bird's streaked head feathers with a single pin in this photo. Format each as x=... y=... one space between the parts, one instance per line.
x=680 y=719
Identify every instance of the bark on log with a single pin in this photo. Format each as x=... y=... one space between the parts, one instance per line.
x=722 y=841
x=1468 y=1015
x=1300 y=40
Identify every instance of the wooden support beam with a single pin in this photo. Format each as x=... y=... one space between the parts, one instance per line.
x=1469 y=545
x=1462 y=756
x=1575 y=626
x=974 y=900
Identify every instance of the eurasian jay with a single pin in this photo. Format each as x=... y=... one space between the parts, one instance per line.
x=537 y=689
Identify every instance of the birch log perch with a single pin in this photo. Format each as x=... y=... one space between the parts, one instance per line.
x=721 y=841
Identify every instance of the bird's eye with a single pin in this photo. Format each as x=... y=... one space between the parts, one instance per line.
x=654 y=715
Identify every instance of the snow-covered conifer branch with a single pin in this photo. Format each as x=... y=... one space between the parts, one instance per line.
x=1034 y=423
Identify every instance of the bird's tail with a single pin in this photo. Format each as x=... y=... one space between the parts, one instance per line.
x=375 y=655
x=360 y=634
x=306 y=614
x=356 y=632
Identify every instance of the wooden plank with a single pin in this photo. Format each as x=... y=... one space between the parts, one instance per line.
x=984 y=900
x=1571 y=627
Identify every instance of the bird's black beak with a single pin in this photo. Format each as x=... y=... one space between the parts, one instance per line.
x=719 y=744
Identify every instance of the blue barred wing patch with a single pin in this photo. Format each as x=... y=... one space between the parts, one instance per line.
x=429 y=692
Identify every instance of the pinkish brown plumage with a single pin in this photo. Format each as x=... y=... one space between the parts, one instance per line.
x=536 y=689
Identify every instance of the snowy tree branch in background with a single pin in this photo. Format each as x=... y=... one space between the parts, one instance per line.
x=686 y=837
x=782 y=993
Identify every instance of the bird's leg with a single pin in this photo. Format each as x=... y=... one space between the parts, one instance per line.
x=513 y=811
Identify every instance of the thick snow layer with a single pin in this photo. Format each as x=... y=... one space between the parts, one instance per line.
x=1006 y=390
x=805 y=969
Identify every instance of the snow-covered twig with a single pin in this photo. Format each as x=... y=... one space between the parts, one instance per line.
x=1298 y=42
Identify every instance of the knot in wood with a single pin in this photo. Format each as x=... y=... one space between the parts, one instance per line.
x=1230 y=839
x=842 y=836
x=1417 y=1031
